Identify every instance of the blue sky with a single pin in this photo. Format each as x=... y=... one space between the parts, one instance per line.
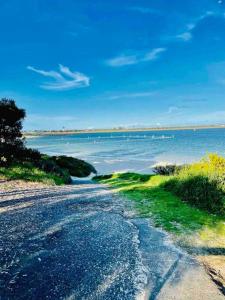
x=102 y=64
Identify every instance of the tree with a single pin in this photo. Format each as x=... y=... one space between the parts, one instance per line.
x=11 y=138
x=13 y=148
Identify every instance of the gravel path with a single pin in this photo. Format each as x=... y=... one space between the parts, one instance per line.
x=83 y=242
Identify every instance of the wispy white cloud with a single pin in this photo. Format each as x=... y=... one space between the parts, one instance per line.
x=125 y=60
x=65 y=79
x=154 y=54
x=132 y=95
x=187 y=34
x=122 y=60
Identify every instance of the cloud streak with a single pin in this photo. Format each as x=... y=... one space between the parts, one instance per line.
x=122 y=60
x=64 y=79
x=133 y=95
x=125 y=60
x=187 y=34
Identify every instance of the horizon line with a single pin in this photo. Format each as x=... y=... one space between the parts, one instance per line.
x=124 y=129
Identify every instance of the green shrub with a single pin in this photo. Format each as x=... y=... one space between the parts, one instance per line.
x=49 y=166
x=75 y=167
x=34 y=166
x=211 y=165
x=201 y=184
x=199 y=191
x=102 y=177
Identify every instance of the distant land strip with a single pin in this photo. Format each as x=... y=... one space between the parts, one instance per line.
x=85 y=131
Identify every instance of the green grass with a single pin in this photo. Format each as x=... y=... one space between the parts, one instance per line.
x=28 y=172
x=164 y=208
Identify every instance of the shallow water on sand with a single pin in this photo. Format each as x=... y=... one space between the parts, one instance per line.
x=134 y=151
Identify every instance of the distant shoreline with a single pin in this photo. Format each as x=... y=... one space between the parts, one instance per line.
x=90 y=131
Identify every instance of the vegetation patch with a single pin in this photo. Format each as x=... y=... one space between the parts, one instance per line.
x=201 y=184
x=19 y=162
x=75 y=167
x=29 y=172
x=189 y=205
x=166 y=209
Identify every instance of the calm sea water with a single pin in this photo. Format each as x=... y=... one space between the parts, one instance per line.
x=134 y=151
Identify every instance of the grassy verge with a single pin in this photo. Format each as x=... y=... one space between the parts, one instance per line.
x=198 y=231
x=28 y=172
x=166 y=209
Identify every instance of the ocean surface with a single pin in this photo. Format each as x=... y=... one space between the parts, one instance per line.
x=133 y=151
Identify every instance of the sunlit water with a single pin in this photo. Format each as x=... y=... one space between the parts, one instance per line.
x=134 y=151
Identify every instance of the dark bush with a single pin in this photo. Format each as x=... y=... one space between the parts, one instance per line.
x=134 y=176
x=76 y=167
x=165 y=169
x=28 y=154
x=103 y=177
